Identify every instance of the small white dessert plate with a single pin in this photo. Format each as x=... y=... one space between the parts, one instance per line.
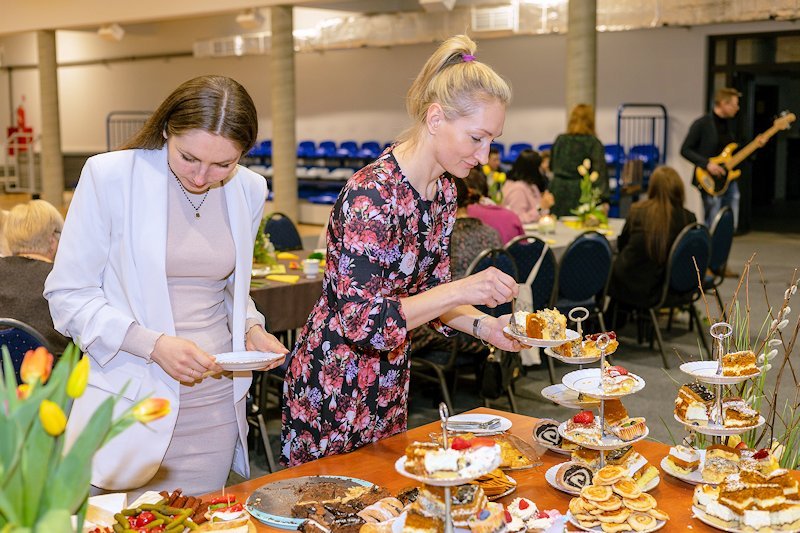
x=588 y=381
x=570 y=335
x=234 y=361
x=706 y=371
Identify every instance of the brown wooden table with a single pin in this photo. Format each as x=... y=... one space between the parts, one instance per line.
x=375 y=463
x=287 y=305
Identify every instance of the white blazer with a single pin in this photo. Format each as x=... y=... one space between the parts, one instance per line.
x=110 y=271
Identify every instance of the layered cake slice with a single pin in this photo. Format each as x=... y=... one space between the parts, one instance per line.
x=737 y=414
x=683 y=460
x=693 y=403
x=739 y=364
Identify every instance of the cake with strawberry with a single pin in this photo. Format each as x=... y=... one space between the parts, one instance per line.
x=617 y=380
x=583 y=428
x=523 y=515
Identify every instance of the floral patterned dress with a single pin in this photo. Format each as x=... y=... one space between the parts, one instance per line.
x=347 y=382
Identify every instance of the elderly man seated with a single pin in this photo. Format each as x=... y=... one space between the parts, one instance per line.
x=32 y=231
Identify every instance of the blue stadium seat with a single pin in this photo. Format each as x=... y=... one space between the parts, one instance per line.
x=324 y=199
x=615 y=154
x=648 y=153
x=306 y=150
x=544 y=146
x=261 y=149
x=514 y=150
x=348 y=149
x=326 y=149
x=370 y=150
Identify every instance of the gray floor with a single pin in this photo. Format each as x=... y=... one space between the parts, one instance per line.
x=777 y=255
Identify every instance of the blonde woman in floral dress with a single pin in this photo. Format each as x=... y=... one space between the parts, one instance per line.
x=388 y=266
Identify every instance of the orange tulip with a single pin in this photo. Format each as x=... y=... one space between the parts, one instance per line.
x=36 y=365
x=151 y=409
x=52 y=417
x=78 y=378
x=23 y=391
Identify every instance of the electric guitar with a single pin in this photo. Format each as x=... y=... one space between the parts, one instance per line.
x=717 y=185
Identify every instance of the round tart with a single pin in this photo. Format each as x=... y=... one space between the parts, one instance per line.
x=627 y=488
x=615 y=517
x=596 y=493
x=609 y=474
x=611 y=504
x=644 y=502
x=641 y=521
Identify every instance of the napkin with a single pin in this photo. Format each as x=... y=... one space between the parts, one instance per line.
x=278 y=269
x=287 y=256
x=285 y=278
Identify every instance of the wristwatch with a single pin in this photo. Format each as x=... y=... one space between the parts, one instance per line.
x=476 y=325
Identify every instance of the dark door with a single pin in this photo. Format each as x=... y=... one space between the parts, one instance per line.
x=765 y=110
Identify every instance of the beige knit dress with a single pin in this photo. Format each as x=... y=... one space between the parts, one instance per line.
x=200 y=258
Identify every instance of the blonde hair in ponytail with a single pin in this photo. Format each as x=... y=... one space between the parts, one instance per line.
x=455 y=80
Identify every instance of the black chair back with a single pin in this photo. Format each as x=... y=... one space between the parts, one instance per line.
x=721 y=240
x=584 y=268
x=503 y=261
x=282 y=233
x=526 y=251
x=19 y=337
x=692 y=244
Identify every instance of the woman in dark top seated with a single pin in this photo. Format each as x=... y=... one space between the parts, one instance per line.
x=645 y=241
x=32 y=231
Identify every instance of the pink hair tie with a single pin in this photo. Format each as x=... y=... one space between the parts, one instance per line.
x=467 y=57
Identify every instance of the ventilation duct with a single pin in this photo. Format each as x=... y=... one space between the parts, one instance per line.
x=516 y=17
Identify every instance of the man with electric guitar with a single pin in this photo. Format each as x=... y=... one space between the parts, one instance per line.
x=710 y=145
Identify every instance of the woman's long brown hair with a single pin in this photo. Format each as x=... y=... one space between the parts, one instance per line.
x=665 y=195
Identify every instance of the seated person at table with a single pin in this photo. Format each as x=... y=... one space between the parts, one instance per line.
x=32 y=231
x=470 y=237
x=505 y=221
x=525 y=191
x=650 y=229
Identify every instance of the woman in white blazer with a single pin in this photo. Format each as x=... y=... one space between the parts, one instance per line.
x=152 y=278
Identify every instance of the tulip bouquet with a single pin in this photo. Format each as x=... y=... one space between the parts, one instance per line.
x=588 y=208
x=42 y=482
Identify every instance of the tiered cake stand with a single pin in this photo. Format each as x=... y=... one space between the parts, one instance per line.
x=710 y=372
x=589 y=382
x=446 y=484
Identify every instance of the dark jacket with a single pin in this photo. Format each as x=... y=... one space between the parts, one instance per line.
x=21 y=297
x=703 y=142
x=637 y=280
x=566 y=156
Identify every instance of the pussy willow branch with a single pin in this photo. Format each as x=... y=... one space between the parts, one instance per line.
x=702 y=292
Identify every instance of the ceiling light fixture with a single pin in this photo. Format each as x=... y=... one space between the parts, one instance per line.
x=111 y=32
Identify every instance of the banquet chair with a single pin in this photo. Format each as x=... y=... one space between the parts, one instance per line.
x=19 y=337
x=680 y=289
x=583 y=274
x=721 y=242
x=444 y=364
x=527 y=252
x=283 y=233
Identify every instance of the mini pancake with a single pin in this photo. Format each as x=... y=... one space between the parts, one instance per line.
x=609 y=474
x=658 y=514
x=627 y=488
x=641 y=521
x=614 y=517
x=615 y=528
x=644 y=502
x=611 y=504
x=596 y=493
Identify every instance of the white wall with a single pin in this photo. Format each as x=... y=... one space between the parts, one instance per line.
x=358 y=94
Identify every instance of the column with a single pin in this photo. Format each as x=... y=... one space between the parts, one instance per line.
x=52 y=160
x=581 y=53
x=284 y=143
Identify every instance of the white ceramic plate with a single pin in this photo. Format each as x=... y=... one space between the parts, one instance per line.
x=571 y=360
x=694 y=478
x=571 y=519
x=588 y=382
x=554 y=449
x=706 y=371
x=571 y=335
x=703 y=517
x=505 y=424
x=400 y=466
x=550 y=476
x=717 y=430
x=610 y=442
x=566 y=397
x=246 y=360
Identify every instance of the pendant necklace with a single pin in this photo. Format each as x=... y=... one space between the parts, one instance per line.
x=183 y=189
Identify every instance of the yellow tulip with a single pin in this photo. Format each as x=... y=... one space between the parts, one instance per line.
x=582 y=170
x=52 y=417
x=37 y=364
x=23 y=391
x=78 y=378
x=151 y=409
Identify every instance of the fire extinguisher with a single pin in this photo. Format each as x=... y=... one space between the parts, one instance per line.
x=21 y=114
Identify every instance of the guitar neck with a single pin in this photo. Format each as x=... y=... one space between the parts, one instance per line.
x=745 y=152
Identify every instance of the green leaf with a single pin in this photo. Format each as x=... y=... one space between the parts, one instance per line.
x=34 y=467
x=54 y=520
x=69 y=484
